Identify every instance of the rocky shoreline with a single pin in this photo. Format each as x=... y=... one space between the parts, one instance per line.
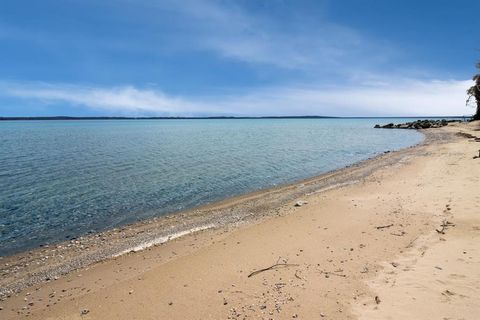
x=419 y=124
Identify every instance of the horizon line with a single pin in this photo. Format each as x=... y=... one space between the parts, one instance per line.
x=19 y=118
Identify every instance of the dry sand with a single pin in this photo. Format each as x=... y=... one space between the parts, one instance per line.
x=368 y=250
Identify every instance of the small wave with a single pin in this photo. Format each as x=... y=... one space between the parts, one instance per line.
x=164 y=239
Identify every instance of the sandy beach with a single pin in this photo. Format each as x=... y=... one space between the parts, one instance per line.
x=394 y=237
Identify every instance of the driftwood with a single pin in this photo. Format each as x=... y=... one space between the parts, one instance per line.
x=383 y=227
x=275 y=266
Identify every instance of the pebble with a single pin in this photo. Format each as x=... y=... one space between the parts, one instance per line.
x=300 y=203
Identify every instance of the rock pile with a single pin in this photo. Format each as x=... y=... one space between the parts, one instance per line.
x=419 y=124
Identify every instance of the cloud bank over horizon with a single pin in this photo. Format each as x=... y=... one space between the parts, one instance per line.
x=409 y=98
x=239 y=58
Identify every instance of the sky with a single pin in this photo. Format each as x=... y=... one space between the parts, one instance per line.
x=237 y=58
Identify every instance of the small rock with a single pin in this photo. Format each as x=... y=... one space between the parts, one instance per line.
x=84 y=312
x=300 y=203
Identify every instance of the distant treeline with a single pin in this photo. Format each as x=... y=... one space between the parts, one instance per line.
x=218 y=117
x=159 y=118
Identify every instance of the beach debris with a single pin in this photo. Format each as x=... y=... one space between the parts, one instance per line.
x=400 y=234
x=445 y=224
x=335 y=273
x=410 y=244
x=377 y=300
x=383 y=227
x=297 y=276
x=84 y=312
x=365 y=270
x=447 y=293
x=300 y=203
x=277 y=265
x=476 y=157
x=394 y=264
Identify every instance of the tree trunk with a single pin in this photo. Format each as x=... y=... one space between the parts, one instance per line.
x=476 y=116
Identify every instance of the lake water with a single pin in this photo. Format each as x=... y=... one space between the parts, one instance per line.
x=61 y=179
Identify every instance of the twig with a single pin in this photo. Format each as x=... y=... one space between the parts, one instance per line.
x=401 y=234
x=387 y=226
x=410 y=244
x=276 y=265
x=445 y=224
x=297 y=276
x=327 y=273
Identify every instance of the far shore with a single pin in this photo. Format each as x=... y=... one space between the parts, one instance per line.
x=392 y=237
x=219 y=118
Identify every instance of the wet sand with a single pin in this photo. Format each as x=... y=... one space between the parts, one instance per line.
x=364 y=246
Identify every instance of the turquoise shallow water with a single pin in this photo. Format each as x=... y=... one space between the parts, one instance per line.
x=61 y=179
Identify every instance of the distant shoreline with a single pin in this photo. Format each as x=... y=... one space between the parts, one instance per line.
x=218 y=118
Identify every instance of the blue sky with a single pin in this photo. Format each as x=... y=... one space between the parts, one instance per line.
x=263 y=57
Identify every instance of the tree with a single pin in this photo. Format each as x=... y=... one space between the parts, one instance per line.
x=474 y=92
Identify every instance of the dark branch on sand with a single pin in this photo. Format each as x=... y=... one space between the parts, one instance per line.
x=272 y=267
x=445 y=224
x=383 y=227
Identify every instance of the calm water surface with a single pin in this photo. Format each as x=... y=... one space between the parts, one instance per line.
x=60 y=179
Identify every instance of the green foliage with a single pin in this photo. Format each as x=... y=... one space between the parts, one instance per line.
x=474 y=93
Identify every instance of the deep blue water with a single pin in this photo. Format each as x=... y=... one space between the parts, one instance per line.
x=62 y=179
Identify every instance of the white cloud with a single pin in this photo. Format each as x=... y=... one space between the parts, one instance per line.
x=123 y=100
x=402 y=98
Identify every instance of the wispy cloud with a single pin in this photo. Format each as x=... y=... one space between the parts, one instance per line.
x=123 y=100
x=405 y=97
x=233 y=32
